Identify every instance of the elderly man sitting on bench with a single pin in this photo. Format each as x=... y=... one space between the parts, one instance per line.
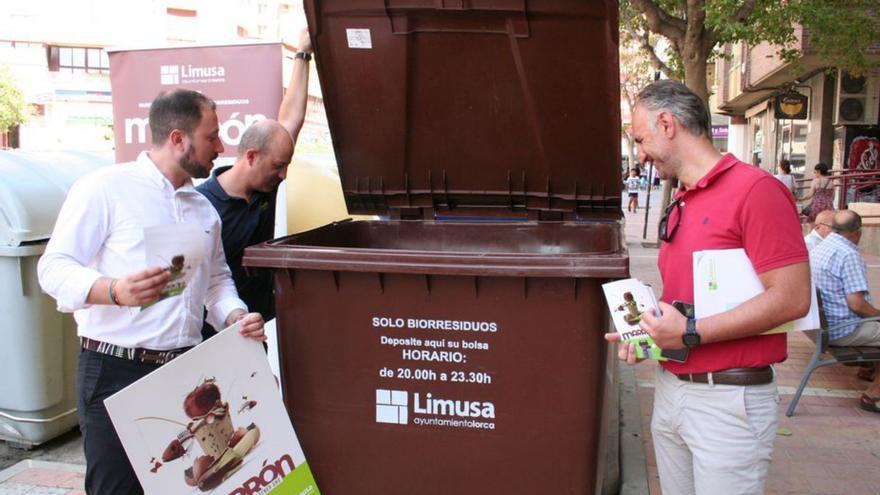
x=841 y=277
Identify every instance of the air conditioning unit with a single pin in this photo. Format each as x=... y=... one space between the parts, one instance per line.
x=857 y=99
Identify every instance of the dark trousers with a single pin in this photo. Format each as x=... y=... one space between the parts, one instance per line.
x=99 y=376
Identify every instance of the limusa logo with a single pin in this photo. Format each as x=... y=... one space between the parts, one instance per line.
x=170 y=74
x=176 y=74
x=392 y=407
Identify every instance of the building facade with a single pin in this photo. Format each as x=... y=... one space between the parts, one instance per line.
x=751 y=85
x=56 y=52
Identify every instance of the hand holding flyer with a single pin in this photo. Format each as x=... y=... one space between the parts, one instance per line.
x=179 y=248
x=628 y=300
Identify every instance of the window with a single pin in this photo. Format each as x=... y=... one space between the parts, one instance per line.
x=181 y=12
x=793 y=144
x=10 y=139
x=757 y=140
x=181 y=24
x=78 y=59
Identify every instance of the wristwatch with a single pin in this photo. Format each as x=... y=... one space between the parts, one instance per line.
x=303 y=55
x=691 y=338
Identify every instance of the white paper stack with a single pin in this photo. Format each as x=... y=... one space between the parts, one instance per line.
x=725 y=278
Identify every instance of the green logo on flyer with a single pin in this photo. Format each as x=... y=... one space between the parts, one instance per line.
x=299 y=482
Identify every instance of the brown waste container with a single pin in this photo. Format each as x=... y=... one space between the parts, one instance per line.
x=456 y=347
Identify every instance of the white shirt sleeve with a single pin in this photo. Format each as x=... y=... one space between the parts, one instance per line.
x=64 y=270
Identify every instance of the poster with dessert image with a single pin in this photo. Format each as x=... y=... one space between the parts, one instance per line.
x=179 y=249
x=212 y=421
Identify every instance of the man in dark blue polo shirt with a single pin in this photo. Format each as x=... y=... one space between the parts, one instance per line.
x=244 y=196
x=244 y=193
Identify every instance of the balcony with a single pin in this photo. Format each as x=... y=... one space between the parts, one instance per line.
x=759 y=71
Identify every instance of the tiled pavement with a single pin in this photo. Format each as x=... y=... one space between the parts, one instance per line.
x=829 y=446
x=42 y=478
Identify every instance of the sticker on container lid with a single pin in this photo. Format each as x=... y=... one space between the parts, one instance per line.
x=359 y=38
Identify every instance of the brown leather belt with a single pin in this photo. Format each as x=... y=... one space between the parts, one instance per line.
x=138 y=354
x=733 y=376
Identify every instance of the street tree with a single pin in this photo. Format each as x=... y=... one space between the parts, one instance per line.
x=13 y=109
x=635 y=73
x=839 y=31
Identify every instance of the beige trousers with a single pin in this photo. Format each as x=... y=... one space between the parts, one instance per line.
x=713 y=439
x=867 y=334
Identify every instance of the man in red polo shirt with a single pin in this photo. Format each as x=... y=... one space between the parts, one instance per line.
x=715 y=415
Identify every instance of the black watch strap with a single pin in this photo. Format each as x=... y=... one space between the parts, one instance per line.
x=691 y=338
x=303 y=55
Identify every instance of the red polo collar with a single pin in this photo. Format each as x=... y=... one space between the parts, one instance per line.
x=724 y=164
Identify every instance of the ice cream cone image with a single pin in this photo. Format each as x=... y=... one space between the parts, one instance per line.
x=223 y=446
x=214 y=431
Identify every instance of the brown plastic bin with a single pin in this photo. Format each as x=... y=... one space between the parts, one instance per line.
x=532 y=292
x=456 y=347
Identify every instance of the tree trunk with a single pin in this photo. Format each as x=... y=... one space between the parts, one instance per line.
x=695 y=73
x=631 y=157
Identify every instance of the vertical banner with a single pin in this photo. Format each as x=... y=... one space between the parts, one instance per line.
x=244 y=80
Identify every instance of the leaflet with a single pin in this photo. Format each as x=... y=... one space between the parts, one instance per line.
x=725 y=278
x=177 y=247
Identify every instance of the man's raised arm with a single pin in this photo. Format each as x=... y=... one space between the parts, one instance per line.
x=292 y=112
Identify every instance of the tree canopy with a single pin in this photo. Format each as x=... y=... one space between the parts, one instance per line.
x=840 y=31
x=12 y=104
x=635 y=74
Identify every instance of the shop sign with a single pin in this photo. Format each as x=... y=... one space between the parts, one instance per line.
x=719 y=131
x=791 y=106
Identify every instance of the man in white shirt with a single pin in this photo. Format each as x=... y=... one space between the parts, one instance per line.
x=821 y=229
x=95 y=266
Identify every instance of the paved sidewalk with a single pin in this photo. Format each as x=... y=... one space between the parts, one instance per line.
x=829 y=446
x=42 y=478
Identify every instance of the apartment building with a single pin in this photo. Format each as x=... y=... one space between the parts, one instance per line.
x=55 y=50
x=755 y=88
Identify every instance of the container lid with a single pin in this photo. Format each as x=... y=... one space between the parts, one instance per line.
x=472 y=107
x=33 y=186
x=594 y=249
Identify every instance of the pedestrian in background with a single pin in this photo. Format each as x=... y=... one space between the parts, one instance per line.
x=632 y=189
x=821 y=192
x=821 y=228
x=785 y=176
x=841 y=277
